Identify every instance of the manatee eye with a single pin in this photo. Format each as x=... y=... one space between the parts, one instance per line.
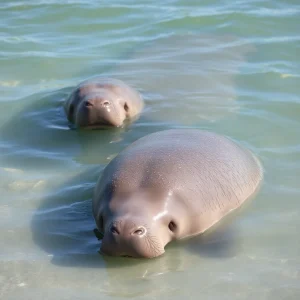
x=114 y=230
x=172 y=226
x=126 y=107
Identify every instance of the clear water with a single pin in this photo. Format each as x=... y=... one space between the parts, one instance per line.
x=228 y=66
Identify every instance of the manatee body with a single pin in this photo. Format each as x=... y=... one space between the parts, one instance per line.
x=170 y=185
x=102 y=102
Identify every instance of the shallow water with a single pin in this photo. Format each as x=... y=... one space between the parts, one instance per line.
x=227 y=66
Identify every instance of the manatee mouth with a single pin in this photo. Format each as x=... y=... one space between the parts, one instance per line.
x=103 y=123
x=97 y=119
x=99 y=125
x=134 y=255
x=127 y=239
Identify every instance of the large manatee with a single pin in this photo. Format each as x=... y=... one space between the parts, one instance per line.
x=170 y=185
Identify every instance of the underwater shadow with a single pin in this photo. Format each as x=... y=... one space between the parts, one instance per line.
x=220 y=242
x=62 y=224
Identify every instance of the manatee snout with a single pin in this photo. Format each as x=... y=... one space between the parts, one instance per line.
x=130 y=238
x=97 y=111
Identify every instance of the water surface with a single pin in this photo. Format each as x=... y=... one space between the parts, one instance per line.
x=227 y=66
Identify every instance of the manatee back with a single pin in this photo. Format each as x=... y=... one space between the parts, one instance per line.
x=207 y=171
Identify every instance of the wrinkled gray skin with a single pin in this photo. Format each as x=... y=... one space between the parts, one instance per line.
x=170 y=185
x=102 y=102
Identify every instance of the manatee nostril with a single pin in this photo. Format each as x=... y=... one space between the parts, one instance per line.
x=126 y=107
x=172 y=226
x=105 y=103
x=88 y=103
x=139 y=231
x=114 y=230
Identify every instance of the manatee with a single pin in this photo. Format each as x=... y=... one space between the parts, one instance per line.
x=100 y=101
x=170 y=185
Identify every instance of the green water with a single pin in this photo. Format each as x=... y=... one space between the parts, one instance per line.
x=228 y=66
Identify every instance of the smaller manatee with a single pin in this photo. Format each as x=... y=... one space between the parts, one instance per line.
x=102 y=101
